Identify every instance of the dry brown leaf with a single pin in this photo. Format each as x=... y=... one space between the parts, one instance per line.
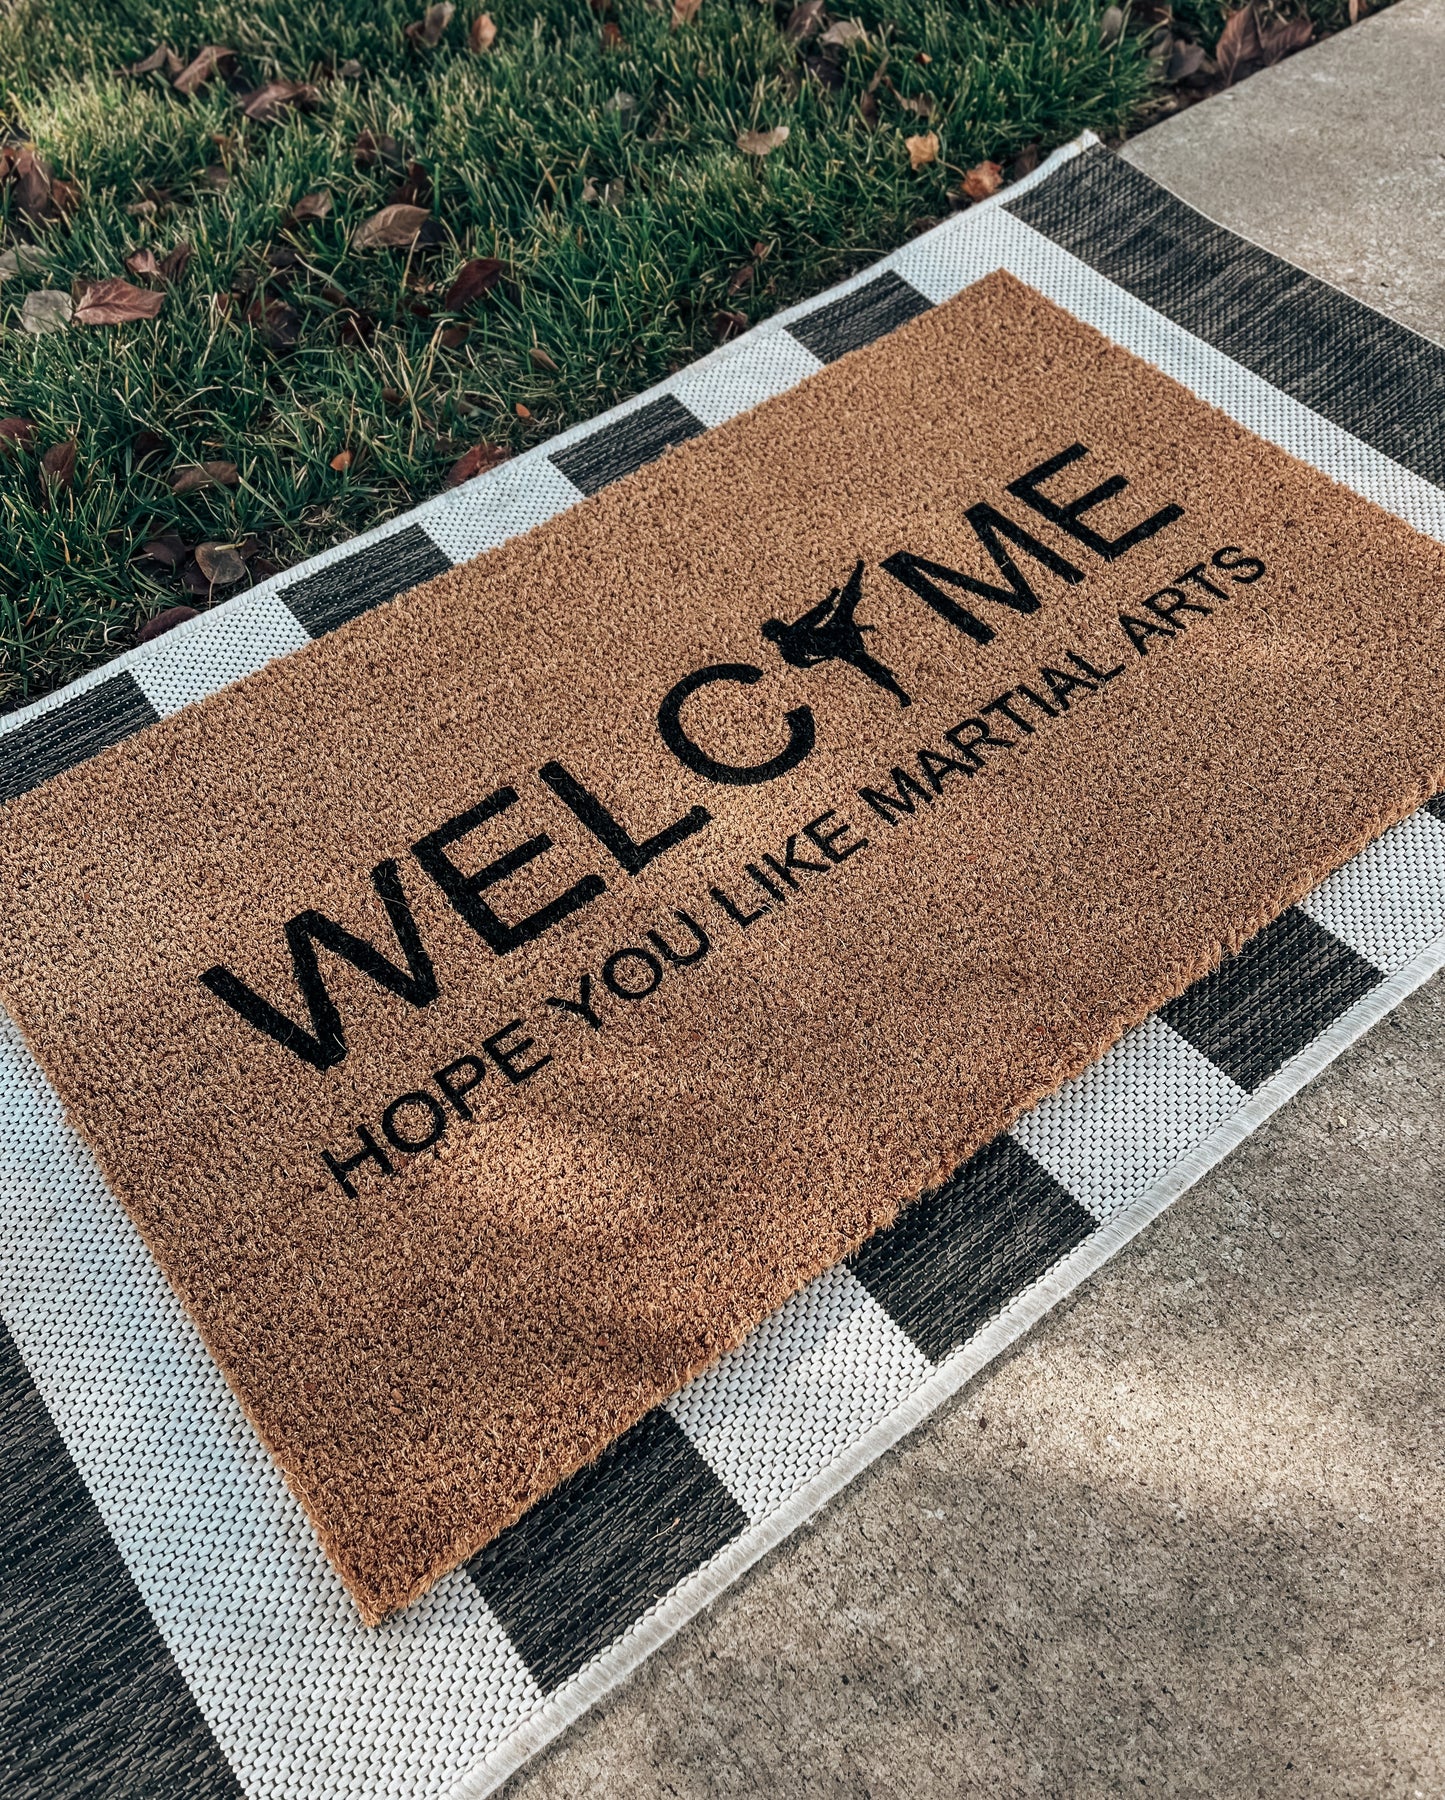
x=31 y=183
x=57 y=466
x=190 y=478
x=201 y=68
x=173 y=265
x=477 y=461
x=341 y=462
x=143 y=262
x=541 y=360
x=162 y=57
x=762 y=143
x=611 y=36
x=370 y=149
x=393 y=228
x=726 y=323
x=473 y=279
x=164 y=622
x=982 y=179
x=221 y=564
x=216 y=177
x=1185 y=59
x=803 y=21
x=684 y=12
x=920 y=105
x=922 y=150
x=741 y=278
x=845 y=33
x=266 y=104
x=427 y=31
x=1238 y=43
x=115 y=302
x=16 y=432
x=277 y=324
x=66 y=195
x=522 y=412
x=482 y=35
x=1279 y=40
x=169 y=550
x=311 y=206
x=455 y=336
x=44 y=310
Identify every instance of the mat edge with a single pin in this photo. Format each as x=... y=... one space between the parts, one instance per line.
x=964 y=1366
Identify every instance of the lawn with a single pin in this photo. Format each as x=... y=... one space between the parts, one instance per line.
x=589 y=150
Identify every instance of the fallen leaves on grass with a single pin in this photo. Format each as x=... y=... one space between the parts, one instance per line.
x=146 y=443
x=922 y=149
x=267 y=104
x=202 y=67
x=803 y=21
x=479 y=459
x=472 y=281
x=1111 y=26
x=982 y=179
x=823 y=68
x=844 y=34
x=16 y=432
x=427 y=31
x=46 y=309
x=868 y=99
x=414 y=190
x=30 y=183
x=393 y=228
x=21 y=259
x=190 y=478
x=370 y=149
x=727 y=324
x=165 y=268
x=612 y=40
x=164 y=622
x=115 y=302
x=684 y=12
x=1185 y=60
x=274 y=321
x=310 y=207
x=1238 y=43
x=541 y=360
x=162 y=57
x=762 y=143
x=57 y=467
x=221 y=564
x=1283 y=38
x=169 y=550
x=1244 y=43
x=920 y=105
x=341 y=462
x=482 y=35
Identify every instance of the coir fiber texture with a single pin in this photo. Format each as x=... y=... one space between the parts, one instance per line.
x=491 y=1011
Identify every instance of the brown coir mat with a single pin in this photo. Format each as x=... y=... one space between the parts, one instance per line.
x=491 y=1011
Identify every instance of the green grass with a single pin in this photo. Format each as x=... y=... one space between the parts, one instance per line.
x=616 y=295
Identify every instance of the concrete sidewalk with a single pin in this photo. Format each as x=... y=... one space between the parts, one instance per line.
x=1190 y=1537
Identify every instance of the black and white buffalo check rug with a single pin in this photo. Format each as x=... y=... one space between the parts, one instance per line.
x=168 y=1623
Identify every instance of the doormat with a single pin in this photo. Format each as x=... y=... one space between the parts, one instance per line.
x=565 y=980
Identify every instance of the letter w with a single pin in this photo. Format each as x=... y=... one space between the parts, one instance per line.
x=325 y=1044
x=989 y=526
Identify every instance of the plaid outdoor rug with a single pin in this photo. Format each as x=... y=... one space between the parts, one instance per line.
x=170 y=1625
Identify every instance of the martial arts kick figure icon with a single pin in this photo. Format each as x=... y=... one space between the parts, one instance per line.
x=828 y=632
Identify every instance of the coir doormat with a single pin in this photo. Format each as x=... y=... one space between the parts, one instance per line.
x=504 y=1005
